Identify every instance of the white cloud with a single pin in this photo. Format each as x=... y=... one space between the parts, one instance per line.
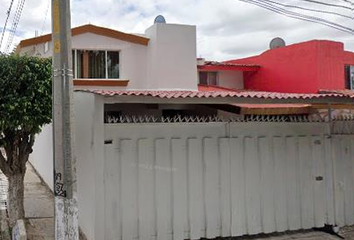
x=227 y=29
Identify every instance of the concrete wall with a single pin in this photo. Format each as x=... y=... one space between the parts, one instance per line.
x=90 y=154
x=42 y=156
x=172 y=55
x=192 y=181
x=203 y=180
x=231 y=79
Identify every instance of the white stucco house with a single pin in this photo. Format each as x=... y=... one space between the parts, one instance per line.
x=159 y=159
x=164 y=57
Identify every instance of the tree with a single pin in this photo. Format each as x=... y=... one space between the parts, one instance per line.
x=25 y=106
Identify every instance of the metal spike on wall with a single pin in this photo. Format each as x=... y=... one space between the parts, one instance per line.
x=135 y=119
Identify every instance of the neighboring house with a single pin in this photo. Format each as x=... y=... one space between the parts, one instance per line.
x=307 y=67
x=160 y=156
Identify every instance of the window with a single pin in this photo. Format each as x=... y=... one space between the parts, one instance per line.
x=208 y=78
x=96 y=64
x=46 y=47
x=349 y=77
x=113 y=64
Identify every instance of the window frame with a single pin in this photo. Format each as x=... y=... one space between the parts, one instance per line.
x=75 y=62
x=349 y=76
x=208 y=77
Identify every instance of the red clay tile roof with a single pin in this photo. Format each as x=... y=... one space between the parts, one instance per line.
x=208 y=88
x=218 y=94
x=219 y=66
x=215 y=63
x=345 y=92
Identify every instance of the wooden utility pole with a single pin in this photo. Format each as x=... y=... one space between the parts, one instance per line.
x=66 y=207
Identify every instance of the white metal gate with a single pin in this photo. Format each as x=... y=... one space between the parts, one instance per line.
x=191 y=181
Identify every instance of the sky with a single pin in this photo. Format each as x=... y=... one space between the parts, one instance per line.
x=226 y=29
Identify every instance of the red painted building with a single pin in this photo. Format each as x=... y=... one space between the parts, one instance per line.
x=301 y=68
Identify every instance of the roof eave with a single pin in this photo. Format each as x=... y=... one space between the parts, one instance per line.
x=90 y=29
x=224 y=100
x=228 y=68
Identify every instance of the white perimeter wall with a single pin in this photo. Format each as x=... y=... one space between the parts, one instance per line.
x=89 y=152
x=42 y=155
x=192 y=181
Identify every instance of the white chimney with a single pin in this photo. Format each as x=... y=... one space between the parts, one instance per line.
x=172 y=56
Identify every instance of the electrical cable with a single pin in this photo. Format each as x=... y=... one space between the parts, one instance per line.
x=299 y=16
x=347 y=1
x=328 y=4
x=15 y=22
x=45 y=18
x=7 y=18
x=311 y=9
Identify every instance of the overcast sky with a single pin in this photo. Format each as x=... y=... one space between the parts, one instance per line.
x=226 y=29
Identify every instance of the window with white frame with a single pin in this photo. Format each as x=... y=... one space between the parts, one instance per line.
x=208 y=78
x=96 y=64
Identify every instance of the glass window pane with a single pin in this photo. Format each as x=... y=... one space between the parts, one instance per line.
x=113 y=64
x=212 y=78
x=203 y=78
x=97 y=64
x=80 y=70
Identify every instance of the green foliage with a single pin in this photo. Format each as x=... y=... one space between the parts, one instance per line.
x=25 y=93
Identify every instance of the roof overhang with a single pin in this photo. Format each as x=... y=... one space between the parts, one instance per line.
x=274 y=109
x=89 y=28
x=241 y=68
x=199 y=97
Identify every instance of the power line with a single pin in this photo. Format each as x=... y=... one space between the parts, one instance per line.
x=311 y=9
x=329 y=4
x=15 y=22
x=7 y=18
x=296 y=15
x=347 y=1
x=45 y=18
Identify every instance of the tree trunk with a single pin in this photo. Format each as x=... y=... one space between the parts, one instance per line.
x=15 y=198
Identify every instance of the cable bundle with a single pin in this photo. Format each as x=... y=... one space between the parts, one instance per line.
x=284 y=9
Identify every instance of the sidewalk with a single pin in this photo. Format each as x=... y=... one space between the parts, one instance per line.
x=39 y=205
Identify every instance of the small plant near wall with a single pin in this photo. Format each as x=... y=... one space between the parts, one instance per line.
x=25 y=106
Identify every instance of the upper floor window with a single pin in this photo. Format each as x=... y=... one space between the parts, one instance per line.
x=208 y=78
x=95 y=64
x=349 y=77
